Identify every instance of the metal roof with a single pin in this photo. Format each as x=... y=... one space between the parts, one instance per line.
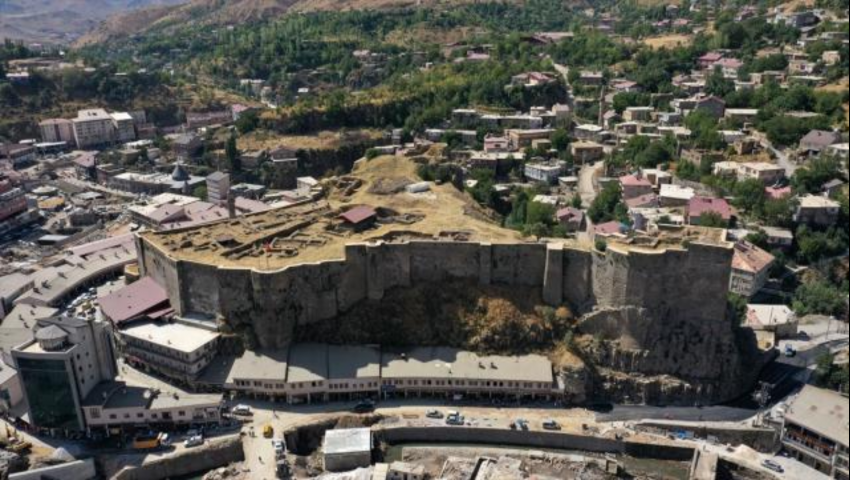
x=822 y=411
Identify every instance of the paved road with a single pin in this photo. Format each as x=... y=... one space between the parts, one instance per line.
x=782 y=157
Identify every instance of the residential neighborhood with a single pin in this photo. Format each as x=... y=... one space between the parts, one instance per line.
x=590 y=241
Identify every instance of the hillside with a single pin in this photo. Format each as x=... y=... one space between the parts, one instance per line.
x=62 y=21
x=230 y=12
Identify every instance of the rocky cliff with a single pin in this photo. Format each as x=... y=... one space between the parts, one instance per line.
x=651 y=323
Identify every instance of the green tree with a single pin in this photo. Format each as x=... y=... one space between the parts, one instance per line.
x=234 y=158
x=717 y=84
x=819 y=298
x=712 y=220
x=607 y=206
x=561 y=140
x=750 y=195
x=200 y=192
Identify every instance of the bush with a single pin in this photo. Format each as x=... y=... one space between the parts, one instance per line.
x=601 y=245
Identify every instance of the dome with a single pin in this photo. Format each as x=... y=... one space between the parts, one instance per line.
x=180 y=174
x=51 y=333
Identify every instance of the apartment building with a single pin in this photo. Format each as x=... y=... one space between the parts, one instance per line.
x=816 y=431
x=116 y=405
x=93 y=128
x=60 y=366
x=124 y=127
x=218 y=188
x=56 y=130
x=547 y=173
x=175 y=350
x=750 y=269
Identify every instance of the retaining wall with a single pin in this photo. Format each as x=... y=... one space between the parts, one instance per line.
x=542 y=440
x=216 y=454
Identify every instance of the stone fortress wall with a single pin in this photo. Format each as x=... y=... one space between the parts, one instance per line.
x=663 y=311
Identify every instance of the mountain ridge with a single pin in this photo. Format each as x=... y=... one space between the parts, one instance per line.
x=62 y=21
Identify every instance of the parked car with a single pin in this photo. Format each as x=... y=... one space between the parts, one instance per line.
x=364 y=407
x=268 y=431
x=455 y=418
x=279 y=447
x=551 y=425
x=772 y=466
x=242 y=411
x=195 y=441
x=434 y=414
x=790 y=352
x=521 y=424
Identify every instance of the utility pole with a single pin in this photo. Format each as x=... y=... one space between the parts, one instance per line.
x=762 y=397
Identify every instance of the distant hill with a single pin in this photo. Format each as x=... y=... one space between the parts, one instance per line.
x=62 y=21
x=230 y=12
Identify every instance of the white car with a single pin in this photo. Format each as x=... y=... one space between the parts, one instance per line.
x=241 y=410
x=195 y=441
x=279 y=447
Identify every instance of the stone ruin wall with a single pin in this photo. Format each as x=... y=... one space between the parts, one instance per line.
x=663 y=311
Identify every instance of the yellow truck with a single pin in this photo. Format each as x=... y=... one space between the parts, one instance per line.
x=149 y=441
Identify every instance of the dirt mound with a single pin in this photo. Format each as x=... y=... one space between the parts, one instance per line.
x=458 y=314
x=389 y=186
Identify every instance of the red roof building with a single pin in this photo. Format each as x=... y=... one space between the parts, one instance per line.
x=635 y=186
x=136 y=301
x=360 y=216
x=699 y=206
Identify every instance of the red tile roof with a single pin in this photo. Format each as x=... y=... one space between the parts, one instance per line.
x=751 y=258
x=634 y=181
x=702 y=205
x=127 y=240
x=650 y=200
x=134 y=300
x=778 y=193
x=358 y=215
x=610 y=228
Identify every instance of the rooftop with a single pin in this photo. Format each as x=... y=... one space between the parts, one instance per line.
x=259 y=365
x=133 y=300
x=353 y=362
x=353 y=440
x=817 y=201
x=769 y=315
x=308 y=362
x=174 y=336
x=751 y=258
x=440 y=362
x=822 y=411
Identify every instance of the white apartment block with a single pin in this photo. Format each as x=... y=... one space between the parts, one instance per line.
x=93 y=128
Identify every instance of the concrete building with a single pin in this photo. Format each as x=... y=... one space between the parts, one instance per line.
x=767 y=173
x=116 y=405
x=57 y=130
x=13 y=200
x=700 y=206
x=405 y=471
x=454 y=373
x=675 y=196
x=778 y=319
x=817 y=211
x=354 y=372
x=18 y=156
x=93 y=128
x=634 y=186
x=123 y=126
x=347 y=449
x=179 y=181
x=186 y=146
x=547 y=173
x=815 y=431
x=587 y=152
x=176 y=350
x=750 y=269
x=218 y=188
x=59 y=367
x=818 y=141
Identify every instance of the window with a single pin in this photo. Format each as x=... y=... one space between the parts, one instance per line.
x=113 y=417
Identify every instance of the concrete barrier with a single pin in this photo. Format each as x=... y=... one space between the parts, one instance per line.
x=765 y=440
x=79 y=470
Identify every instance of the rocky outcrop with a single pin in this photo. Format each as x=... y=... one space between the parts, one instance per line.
x=657 y=316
